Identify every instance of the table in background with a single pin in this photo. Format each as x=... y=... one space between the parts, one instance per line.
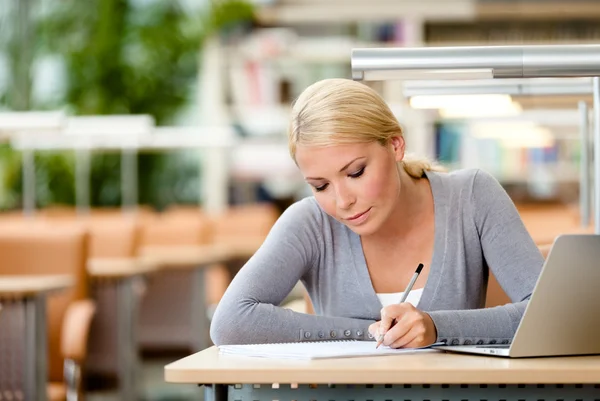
x=193 y=260
x=122 y=276
x=28 y=293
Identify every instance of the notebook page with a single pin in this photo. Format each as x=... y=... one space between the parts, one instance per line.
x=316 y=350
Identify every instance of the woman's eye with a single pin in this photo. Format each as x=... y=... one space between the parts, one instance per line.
x=321 y=188
x=358 y=173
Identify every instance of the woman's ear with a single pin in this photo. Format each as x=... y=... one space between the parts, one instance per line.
x=397 y=143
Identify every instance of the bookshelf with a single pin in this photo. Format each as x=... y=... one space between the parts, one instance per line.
x=514 y=31
x=541 y=10
x=288 y=12
x=559 y=158
x=298 y=42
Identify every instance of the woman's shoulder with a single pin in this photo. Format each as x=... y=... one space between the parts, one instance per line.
x=306 y=207
x=305 y=212
x=471 y=186
x=467 y=179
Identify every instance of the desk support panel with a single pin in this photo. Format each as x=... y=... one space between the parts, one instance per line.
x=127 y=348
x=23 y=349
x=404 y=392
x=199 y=318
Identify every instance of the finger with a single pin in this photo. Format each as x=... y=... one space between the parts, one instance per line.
x=387 y=317
x=408 y=339
x=374 y=328
x=417 y=342
x=399 y=330
x=391 y=313
x=418 y=336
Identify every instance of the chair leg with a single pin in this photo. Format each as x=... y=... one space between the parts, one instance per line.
x=72 y=374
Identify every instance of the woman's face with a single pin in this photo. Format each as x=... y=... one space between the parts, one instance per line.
x=356 y=184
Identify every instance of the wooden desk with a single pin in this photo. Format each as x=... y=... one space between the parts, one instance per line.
x=198 y=255
x=186 y=256
x=12 y=287
x=24 y=298
x=121 y=278
x=107 y=268
x=432 y=375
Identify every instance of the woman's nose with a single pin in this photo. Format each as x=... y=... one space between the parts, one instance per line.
x=344 y=198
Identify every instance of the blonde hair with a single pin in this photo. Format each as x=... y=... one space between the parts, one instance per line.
x=342 y=111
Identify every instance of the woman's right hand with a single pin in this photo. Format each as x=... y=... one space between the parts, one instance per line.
x=404 y=326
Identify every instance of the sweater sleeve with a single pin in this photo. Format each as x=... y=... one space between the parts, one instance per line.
x=249 y=311
x=513 y=257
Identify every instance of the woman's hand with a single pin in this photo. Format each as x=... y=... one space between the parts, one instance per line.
x=413 y=328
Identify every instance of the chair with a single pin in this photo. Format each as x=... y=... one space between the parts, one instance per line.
x=166 y=309
x=57 y=212
x=112 y=236
x=244 y=227
x=175 y=228
x=240 y=222
x=32 y=248
x=183 y=211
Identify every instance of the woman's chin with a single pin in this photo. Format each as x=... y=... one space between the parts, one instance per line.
x=363 y=230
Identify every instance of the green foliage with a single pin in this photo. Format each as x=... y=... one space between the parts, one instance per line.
x=125 y=59
x=54 y=173
x=105 y=178
x=10 y=179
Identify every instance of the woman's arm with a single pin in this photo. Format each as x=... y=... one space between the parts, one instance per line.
x=512 y=256
x=249 y=313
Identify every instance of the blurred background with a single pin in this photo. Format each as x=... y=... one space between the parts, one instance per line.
x=143 y=158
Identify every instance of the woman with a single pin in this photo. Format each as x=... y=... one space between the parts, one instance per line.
x=375 y=215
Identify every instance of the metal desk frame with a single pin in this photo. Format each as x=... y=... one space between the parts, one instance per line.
x=413 y=392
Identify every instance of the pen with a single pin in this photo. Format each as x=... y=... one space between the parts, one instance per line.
x=403 y=299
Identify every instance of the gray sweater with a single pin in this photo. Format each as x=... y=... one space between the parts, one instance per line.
x=477 y=229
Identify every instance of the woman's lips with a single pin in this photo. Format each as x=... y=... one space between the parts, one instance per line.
x=359 y=217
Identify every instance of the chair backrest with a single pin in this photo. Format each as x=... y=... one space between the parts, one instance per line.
x=139 y=212
x=183 y=211
x=113 y=236
x=175 y=229
x=57 y=212
x=244 y=222
x=32 y=248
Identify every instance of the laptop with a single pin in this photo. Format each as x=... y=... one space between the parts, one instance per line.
x=563 y=314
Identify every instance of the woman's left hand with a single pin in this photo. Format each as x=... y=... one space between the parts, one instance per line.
x=413 y=328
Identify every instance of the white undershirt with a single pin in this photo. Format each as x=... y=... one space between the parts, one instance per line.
x=393 y=298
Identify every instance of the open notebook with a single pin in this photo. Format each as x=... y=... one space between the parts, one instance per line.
x=316 y=350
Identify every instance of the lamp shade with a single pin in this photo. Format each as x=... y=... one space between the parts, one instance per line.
x=497 y=61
